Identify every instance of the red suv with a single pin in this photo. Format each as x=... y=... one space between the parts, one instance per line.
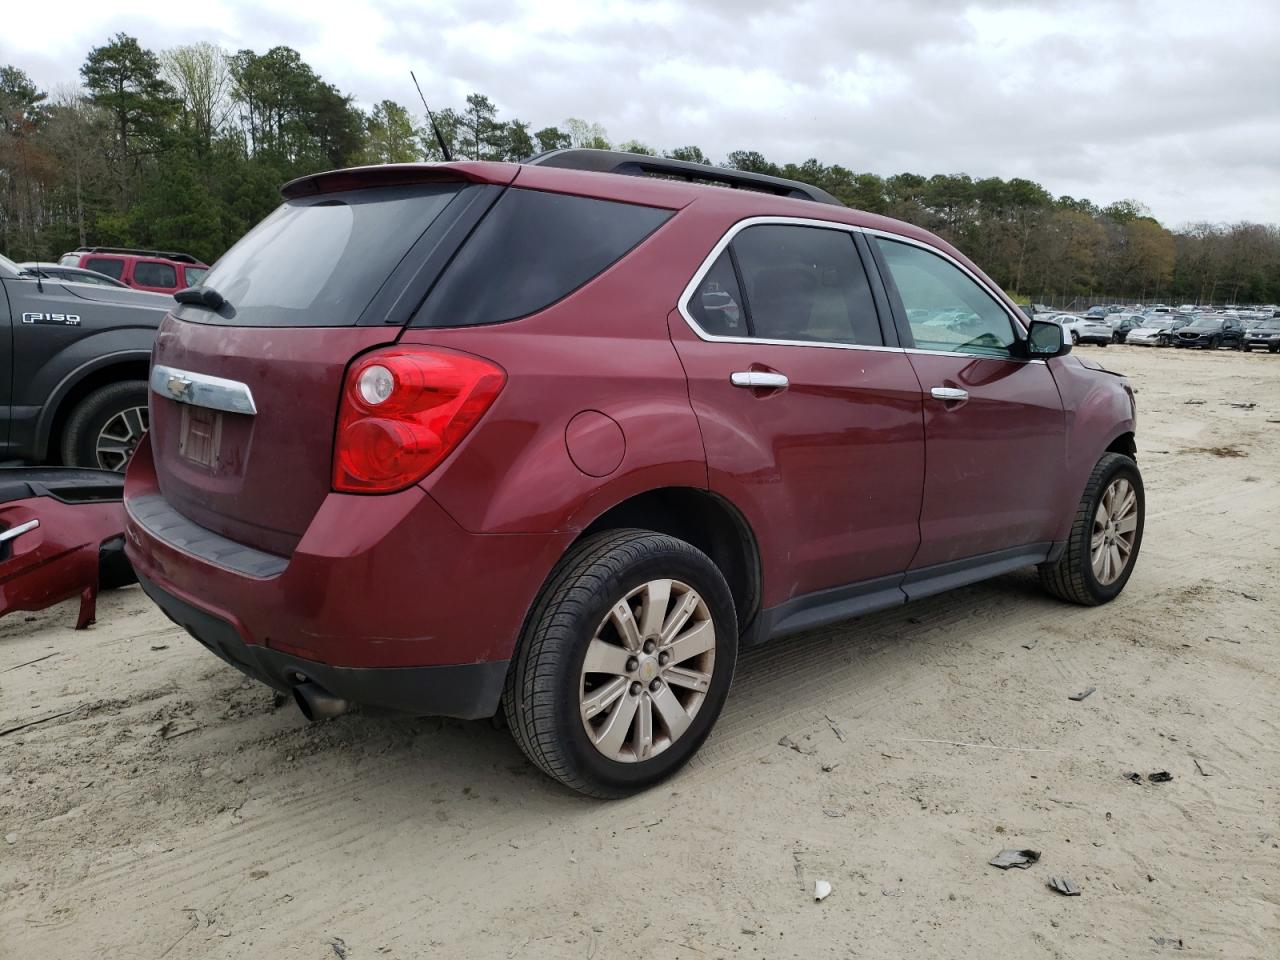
x=542 y=438
x=151 y=270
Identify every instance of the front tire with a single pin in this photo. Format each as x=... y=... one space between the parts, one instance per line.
x=624 y=664
x=1105 y=537
x=105 y=427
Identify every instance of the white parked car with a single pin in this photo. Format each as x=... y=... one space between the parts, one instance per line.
x=1083 y=329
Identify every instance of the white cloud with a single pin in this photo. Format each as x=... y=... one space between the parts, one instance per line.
x=1172 y=103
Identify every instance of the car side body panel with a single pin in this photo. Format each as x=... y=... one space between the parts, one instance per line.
x=1097 y=415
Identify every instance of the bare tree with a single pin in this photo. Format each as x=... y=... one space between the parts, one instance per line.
x=199 y=72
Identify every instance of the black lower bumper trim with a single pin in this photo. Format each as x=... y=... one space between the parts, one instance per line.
x=469 y=691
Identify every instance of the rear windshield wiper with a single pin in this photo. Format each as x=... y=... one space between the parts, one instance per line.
x=200 y=297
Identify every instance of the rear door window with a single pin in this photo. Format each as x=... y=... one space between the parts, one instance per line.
x=802 y=285
x=533 y=249
x=112 y=267
x=148 y=273
x=319 y=261
x=805 y=284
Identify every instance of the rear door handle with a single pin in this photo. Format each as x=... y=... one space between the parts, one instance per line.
x=949 y=393
x=16 y=531
x=758 y=379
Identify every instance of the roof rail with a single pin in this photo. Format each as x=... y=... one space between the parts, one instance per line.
x=640 y=165
x=166 y=255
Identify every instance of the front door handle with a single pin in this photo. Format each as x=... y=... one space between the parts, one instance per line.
x=758 y=379
x=949 y=393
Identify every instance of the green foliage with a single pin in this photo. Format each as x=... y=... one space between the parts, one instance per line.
x=188 y=149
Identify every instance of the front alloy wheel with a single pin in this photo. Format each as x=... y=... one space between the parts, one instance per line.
x=624 y=664
x=1106 y=535
x=1115 y=525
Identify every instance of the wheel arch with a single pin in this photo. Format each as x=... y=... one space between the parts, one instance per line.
x=78 y=384
x=709 y=522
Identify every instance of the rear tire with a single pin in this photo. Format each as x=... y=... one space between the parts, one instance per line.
x=105 y=426
x=548 y=698
x=1075 y=577
x=1075 y=339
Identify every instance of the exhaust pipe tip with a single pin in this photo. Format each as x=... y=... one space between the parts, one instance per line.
x=317 y=703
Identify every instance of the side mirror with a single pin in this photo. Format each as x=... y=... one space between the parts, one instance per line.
x=1045 y=340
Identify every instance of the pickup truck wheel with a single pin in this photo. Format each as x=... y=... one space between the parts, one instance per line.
x=105 y=427
x=624 y=664
x=1246 y=348
x=1105 y=536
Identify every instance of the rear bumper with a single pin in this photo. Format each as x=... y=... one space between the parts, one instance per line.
x=470 y=691
x=386 y=601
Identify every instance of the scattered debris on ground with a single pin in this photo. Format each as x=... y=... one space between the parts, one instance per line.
x=1223 y=451
x=821 y=889
x=807 y=750
x=1199 y=769
x=1064 y=886
x=1176 y=943
x=1030 y=643
x=835 y=729
x=1134 y=776
x=1021 y=859
x=1082 y=694
x=1160 y=776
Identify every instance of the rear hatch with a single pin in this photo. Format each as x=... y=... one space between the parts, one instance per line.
x=244 y=397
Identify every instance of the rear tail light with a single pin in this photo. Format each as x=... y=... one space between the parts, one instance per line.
x=403 y=410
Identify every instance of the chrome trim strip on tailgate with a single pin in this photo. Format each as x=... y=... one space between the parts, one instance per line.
x=202 y=390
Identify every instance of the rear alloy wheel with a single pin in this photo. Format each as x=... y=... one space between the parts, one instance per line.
x=624 y=664
x=1105 y=537
x=1075 y=338
x=106 y=426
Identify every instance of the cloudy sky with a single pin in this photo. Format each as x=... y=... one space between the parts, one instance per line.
x=1176 y=104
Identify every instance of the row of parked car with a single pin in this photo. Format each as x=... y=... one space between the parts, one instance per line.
x=1163 y=327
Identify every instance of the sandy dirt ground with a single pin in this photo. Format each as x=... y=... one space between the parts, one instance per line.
x=174 y=810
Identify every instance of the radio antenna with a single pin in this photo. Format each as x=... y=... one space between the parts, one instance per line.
x=444 y=147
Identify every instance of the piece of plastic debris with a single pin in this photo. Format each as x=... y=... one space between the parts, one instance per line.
x=1133 y=775
x=1193 y=401
x=1175 y=942
x=1082 y=694
x=1160 y=776
x=788 y=742
x=821 y=889
x=836 y=730
x=832 y=813
x=1064 y=886
x=1199 y=769
x=1030 y=643
x=828 y=767
x=1244 y=406
x=1014 y=858
x=339 y=948
x=10 y=838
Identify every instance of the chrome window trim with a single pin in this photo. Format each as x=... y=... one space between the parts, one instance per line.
x=202 y=390
x=682 y=305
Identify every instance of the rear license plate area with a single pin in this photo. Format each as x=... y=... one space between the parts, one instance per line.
x=200 y=437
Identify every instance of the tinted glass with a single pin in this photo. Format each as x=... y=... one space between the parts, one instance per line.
x=194 y=275
x=69 y=260
x=531 y=250
x=716 y=305
x=946 y=308
x=318 y=261
x=154 y=274
x=806 y=283
x=110 y=266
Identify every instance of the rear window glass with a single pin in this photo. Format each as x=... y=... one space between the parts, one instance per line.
x=194 y=275
x=531 y=250
x=147 y=274
x=110 y=266
x=318 y=261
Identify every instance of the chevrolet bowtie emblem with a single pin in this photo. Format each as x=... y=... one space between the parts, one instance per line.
x=179 y=388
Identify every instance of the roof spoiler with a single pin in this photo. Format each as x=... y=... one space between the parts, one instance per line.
x=641 y=165
x=398 y=174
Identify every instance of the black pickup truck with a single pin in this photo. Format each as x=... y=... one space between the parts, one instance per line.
x=73 y=368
